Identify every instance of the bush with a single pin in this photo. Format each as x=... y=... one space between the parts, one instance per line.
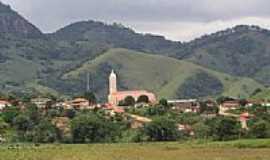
x=45 y=132
x=10 y=113
x=224 y=128
x=202 y=131
x=162 y=129
x=260 y=129
x=89 y=128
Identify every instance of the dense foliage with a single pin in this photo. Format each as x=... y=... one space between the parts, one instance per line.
x=200 y=85
x=98 y=126
x=90 y=128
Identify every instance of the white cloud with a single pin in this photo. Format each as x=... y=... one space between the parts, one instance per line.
x=176 y=19
x=186 y=31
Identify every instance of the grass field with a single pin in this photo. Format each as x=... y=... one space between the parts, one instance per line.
x=236 y=150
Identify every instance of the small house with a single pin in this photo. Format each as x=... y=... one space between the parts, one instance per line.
x=185 y=105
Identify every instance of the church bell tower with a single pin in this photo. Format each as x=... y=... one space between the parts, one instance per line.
x=112 y=88
x=113 y=83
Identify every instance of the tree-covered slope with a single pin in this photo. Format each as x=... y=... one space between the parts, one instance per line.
x=115 y=36
x=242 y=51
x=13 y=23
x=167 y=77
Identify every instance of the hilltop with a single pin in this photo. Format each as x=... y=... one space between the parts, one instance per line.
x=13 y=23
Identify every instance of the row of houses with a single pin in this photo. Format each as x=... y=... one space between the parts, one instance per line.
x=193 y=105
x=77 y=104
x=190 y=105
x=236 y=103
x=181 y=105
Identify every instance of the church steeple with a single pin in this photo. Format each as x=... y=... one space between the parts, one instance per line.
x=113 y=82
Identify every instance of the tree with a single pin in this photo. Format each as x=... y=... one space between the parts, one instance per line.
x=3 y=126
x=256 y=91
x=260 y=129
x=33 y=113
x=45 y=132
x=163 y=102
x=189 y=118
x=89 y=128
x=90 y=96
x=143 y=99
x=201 y=130
x=22 y=123
x=70 y=113
x=26 y=98
x=10 y=113
x=156 y=110
x=52 y=113
x=161 y=129
x=12 y=98
x=224 y=128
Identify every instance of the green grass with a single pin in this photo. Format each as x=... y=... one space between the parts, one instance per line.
x=234 y=150
x=162 y=75
x=265 y=94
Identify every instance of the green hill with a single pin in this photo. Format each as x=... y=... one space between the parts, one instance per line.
x=242 y=51
x=167 y=77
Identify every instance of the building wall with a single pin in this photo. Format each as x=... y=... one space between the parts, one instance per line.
x=115 y=97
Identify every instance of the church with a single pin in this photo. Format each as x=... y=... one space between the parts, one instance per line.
x=116 y=96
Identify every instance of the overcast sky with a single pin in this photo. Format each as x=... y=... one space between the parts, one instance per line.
x=176 y=19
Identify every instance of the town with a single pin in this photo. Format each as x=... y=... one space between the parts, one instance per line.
x=138 y=112
x=134 y=80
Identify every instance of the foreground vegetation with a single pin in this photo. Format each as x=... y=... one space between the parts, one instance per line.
x=232 y=150
x=58 y=125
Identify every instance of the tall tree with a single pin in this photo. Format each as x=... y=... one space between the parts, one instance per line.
x=90 y=128
x=162 y=129
x=91 y=97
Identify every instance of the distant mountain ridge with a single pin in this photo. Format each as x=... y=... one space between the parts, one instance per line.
x=12 y=23
x=115 y=36
x=242 y=51
x=33 y=61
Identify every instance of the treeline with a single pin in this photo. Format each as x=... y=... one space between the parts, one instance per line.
x=97 y=126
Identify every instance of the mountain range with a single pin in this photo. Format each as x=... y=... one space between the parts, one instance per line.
x=234 y=62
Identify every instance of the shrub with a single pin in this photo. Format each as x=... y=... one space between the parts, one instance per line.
x=162 y=129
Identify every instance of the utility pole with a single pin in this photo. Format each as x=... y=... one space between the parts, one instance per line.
x=88 y=82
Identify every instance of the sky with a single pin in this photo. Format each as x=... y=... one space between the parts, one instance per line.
x=181 y=20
